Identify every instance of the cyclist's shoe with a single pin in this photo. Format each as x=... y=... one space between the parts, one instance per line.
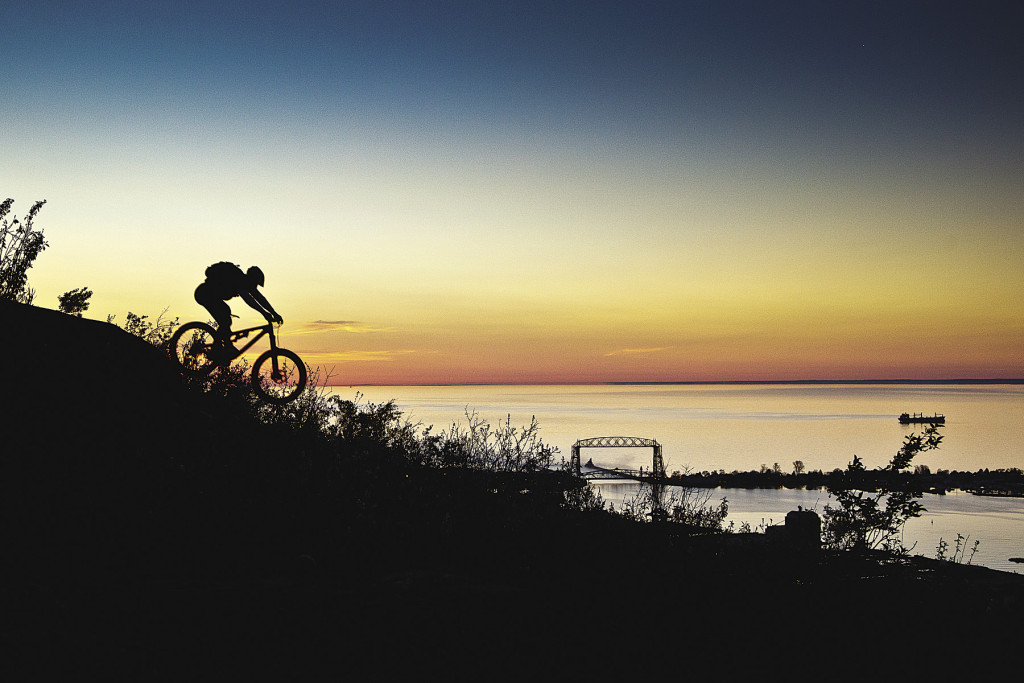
x=224 y=354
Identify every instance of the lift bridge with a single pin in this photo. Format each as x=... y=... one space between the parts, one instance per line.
x=655 y=476
x=657 y=470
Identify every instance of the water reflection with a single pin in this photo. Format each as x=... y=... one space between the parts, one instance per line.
x=996 y=522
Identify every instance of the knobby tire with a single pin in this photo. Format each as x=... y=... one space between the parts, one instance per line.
x=284 y=389
x=189 y=348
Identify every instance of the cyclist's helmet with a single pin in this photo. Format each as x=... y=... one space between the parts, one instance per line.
x=256 y=275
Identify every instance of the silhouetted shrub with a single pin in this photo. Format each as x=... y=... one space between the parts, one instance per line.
x=156 y=332
x=583 y=498
x=477 y=446
x=20 y=244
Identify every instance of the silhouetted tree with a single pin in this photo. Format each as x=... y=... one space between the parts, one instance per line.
x=691 y=506
x=798 y=467
x=74 y=302
x=860 y=521
x=20 y=244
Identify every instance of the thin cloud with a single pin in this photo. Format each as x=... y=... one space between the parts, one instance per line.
x=351 y=326
x=638 y=352
x=358 y=356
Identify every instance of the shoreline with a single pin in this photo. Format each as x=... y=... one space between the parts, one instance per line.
x=983 y=482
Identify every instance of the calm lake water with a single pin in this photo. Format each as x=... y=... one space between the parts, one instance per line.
x=741 y=427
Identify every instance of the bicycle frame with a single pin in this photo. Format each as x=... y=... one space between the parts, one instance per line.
x=278 y=375
x=263 y=330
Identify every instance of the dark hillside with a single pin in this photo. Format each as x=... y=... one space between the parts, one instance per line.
x=153 y=532
x=52 y=357
x=96 y=430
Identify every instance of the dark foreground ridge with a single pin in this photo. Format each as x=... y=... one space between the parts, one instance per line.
x=150 y=534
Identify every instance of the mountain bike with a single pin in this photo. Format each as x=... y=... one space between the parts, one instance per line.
x=278 y=375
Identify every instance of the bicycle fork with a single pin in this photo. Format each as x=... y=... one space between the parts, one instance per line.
x=275 y=371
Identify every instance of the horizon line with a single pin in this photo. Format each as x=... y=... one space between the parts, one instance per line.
x=692 y=382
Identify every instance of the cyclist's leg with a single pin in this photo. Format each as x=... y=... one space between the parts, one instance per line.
x=220 y=312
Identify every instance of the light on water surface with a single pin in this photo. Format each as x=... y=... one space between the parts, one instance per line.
x=998 y=523
x=741 y=427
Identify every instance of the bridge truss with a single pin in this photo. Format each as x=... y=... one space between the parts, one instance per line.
x=657 y=463
x=656 y=478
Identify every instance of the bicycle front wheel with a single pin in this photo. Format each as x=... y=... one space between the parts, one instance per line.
x=190 y=347
x=278 y=376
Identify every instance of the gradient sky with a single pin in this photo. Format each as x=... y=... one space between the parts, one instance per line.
x=540 y=191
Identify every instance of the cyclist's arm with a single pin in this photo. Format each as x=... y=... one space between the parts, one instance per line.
x=260 y=303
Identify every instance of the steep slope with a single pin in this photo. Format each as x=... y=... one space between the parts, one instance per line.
x=144 y=528
x=82 y=382
x=95 y=426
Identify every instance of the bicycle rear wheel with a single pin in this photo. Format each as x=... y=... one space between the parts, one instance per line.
x=281 y=386
x=191 y=346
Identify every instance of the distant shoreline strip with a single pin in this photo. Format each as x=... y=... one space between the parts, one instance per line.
x=752 y=382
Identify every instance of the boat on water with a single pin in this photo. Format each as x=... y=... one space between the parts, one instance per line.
x=908 y=418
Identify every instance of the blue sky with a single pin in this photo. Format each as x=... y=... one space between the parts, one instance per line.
x=578 y=190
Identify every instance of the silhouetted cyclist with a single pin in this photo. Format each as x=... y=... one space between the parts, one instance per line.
x=225 y=281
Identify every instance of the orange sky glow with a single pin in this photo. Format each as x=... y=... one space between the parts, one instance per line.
x=470 y=196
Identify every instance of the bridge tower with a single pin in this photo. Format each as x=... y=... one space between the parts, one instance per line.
x=657 y=461
x=658 y=513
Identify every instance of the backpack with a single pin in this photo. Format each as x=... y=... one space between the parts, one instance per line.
x=223 y=272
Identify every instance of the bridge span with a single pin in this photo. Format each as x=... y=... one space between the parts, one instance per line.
x=657 y=462
x=655 y=476
x=591 y=471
